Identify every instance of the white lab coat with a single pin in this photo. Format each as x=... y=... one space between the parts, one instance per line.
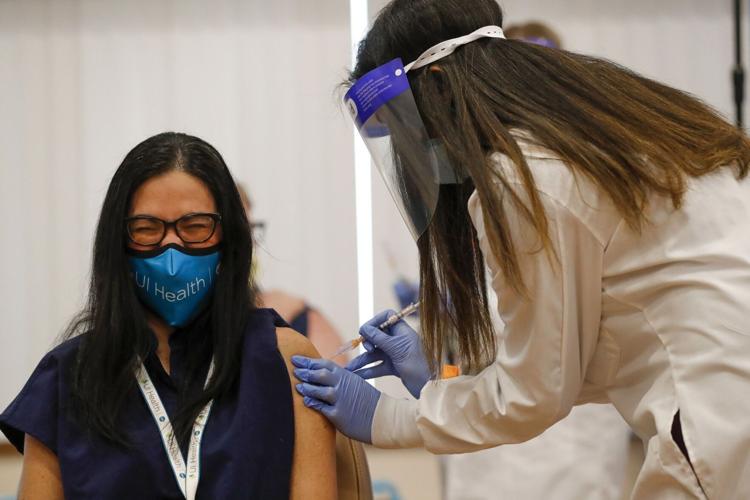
x=585 y=455
x=656 y=321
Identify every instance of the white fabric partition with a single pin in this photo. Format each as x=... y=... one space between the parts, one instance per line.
x=82 y=81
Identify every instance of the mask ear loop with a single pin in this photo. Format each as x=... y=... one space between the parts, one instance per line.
x=447 y=47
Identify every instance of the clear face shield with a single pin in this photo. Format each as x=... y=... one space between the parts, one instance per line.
x=412 y=164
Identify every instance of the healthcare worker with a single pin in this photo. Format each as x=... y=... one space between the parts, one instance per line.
x=585 y=455
x=614 y=216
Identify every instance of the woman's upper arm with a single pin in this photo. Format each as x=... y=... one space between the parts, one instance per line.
x=41 y=472
x=314 y=462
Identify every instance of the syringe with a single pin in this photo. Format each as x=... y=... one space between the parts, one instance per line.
x=353 y=344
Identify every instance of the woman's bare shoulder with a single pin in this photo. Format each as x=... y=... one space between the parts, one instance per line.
x=292 y=343
x=314 y=463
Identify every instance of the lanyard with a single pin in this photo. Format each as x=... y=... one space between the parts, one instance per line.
x=187 y=476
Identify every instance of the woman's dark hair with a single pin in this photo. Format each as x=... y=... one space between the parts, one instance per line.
x=631 y=136
x=113 y=323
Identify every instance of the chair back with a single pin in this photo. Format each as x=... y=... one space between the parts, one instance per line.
x=352 y=471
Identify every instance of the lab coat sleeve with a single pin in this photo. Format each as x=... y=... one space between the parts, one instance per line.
x=549 y=338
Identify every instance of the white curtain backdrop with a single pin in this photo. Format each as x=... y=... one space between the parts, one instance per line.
x=83 y=81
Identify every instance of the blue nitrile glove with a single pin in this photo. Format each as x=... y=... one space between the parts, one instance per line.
x=406 y=292
x=345 y=398
x=399 y=352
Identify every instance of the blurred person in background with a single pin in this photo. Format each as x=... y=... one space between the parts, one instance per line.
x=301 y=316
x=534 y=32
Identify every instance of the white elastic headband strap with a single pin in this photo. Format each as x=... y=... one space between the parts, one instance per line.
x=447 y=47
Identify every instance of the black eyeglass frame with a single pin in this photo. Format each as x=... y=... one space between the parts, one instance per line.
x=167 y=224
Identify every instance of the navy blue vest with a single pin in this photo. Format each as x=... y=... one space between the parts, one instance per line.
x=247 y=446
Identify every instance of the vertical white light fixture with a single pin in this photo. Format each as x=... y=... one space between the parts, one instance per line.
x=363 y=184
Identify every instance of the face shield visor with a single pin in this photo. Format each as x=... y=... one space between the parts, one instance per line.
x=412 y=164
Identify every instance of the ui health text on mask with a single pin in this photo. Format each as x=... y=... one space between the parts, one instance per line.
x=191 y=288
x=175 y=284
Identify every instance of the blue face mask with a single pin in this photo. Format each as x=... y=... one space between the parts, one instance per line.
x=175 y=282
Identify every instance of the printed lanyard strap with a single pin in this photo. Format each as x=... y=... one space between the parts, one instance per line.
x=187 y=476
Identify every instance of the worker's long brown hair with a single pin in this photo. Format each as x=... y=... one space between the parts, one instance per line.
x=633 y=137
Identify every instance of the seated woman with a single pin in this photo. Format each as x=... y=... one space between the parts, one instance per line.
x=171 y=384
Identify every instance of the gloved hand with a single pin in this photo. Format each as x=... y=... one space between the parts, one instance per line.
x=399 y=352
x=345 y=398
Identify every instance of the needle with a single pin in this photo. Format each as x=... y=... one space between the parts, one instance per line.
x=353 y=344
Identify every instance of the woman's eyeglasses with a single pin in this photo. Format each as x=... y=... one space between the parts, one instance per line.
x=190 y=228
